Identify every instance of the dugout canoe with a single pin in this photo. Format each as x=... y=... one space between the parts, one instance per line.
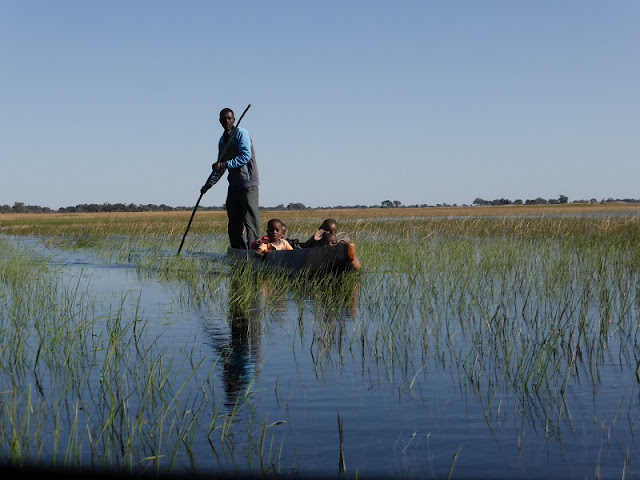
x=339 y=258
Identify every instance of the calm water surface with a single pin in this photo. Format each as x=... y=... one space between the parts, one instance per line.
x=407 y=410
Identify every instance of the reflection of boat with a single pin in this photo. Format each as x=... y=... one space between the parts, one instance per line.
x=339 y=258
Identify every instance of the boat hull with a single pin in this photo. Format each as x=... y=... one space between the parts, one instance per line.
x=339 y=258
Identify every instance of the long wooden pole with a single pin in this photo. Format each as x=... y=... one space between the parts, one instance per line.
x=202 y=193
x=189 y=225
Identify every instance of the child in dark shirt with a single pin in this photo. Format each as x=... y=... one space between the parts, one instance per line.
x=330 y=226
x=328 y=239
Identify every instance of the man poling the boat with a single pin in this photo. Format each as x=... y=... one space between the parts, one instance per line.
x=239 y=160
x=235 y=153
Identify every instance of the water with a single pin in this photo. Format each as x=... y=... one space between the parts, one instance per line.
x=409 y=409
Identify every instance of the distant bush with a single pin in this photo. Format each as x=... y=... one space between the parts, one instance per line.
x=20 y=207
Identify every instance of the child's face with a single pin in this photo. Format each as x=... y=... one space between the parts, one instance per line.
x=333 y=228
x=275 y=232
x=329 y=240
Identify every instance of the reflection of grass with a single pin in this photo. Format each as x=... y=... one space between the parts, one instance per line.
x=83 y=387
x=521 y=313
x=518 y=309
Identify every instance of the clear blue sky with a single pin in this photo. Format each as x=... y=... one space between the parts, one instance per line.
x=353 y=102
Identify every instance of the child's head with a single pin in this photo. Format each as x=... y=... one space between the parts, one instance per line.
x=328 y=240
x=330 y=225
x=275 y=230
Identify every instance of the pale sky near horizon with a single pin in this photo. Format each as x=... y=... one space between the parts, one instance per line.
x=352 y=102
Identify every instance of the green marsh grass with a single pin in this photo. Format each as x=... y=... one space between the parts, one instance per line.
x=517 y=305
x=82 y=389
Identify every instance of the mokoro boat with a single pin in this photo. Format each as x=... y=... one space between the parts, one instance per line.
x=339 y=258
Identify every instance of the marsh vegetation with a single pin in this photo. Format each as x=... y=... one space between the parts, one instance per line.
x=497 y=342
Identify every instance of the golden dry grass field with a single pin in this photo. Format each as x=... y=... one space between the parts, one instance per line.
x=175 y=223
x=506 y=210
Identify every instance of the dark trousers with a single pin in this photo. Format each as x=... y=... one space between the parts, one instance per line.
x=244 y=214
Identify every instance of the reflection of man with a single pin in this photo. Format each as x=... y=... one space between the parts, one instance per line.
x=242 y=195
x=238 y=365
x=243 y=350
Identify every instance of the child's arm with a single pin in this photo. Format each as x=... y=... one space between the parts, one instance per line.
x=313 y=241
x=257 y=242
x=262 y=249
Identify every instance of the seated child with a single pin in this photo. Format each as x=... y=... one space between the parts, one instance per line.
x=328 y=239
x=265 y=239
x=295 y=244
x=329 y=225
x=275 y=238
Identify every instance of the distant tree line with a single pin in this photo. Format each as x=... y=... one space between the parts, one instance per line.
x=538 y=201
x=20 y=207
x=551 y=201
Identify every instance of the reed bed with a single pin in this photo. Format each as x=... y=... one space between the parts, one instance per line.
x=521 y=309
x=85 y=387
x=207 y=222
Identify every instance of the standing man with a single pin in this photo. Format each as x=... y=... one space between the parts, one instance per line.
x=242 y=195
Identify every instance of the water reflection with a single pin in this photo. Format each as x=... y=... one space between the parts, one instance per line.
x=335 y=303
x=238 y=341
x=242 y=354
x=338 y=298
x=256 y=298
